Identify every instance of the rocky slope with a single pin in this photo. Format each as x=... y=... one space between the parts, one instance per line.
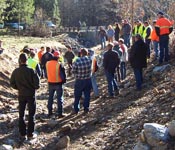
x=112 y=124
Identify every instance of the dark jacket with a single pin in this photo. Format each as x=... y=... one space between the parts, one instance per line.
x=46 y=57
x=102 y=33
x=69 y=55
x=25 y=80
x=117 y=33
x=126 y=29
x=111 y=61
x=138 y=55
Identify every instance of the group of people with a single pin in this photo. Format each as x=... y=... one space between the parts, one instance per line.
x=84 y=66
x=50 y=65
x=114 y=33
x=139 y=53
x=149 y=31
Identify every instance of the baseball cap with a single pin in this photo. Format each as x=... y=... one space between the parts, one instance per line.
x=160 y=13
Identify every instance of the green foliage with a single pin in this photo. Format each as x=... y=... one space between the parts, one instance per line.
x=48 y=10
x=20 y=10
x=56 y=12
x=3 y=5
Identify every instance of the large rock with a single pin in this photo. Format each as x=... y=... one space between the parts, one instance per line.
x=171 y=128
x=160 y=69
x=6 y=147
x=66 y=128
x=52 y=123
x=141 y=146
x=64 y=142
x=156 y=134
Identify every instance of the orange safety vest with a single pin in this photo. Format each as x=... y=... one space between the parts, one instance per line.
x=53 y=71
x=163 y=24
x=154 y=36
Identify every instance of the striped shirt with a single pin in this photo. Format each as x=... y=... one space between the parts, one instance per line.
x=82 y=67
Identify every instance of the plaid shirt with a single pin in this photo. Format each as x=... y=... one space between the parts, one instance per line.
x=82 y=67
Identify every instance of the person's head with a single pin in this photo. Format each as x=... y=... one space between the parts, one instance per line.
x=69 y=47
x=42 y=48
x=146 y=23
x=101 y=28
x=32 y=54
x=48 y=49
x=56 y=55
x=22 y=58
x=138 y=22
x=121 y=41
x=125 y=21
x=154 y=22
x=116 y=24
x=138 y=37
x=84 y=52
x=110 y=46
x=110 y=27
x=160 y=14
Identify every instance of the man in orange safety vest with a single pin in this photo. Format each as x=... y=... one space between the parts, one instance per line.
x=163 y=29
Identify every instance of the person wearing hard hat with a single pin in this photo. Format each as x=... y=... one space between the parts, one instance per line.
x=56 y=78
x=163 y=28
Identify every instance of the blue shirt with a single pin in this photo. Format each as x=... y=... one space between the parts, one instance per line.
x=110 y=32
x=82 y=67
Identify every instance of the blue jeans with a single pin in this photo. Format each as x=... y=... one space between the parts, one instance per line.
x=164 y=50
x=23 y=101
x=94 y=85
x=112 y=83
x=103 y=42
x=82 y=87
x=138 y=78
x=123 y=70
x=127 y=39
x=58 y=88
x=44 y=72
x=156 y=48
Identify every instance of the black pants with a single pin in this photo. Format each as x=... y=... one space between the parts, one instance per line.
x=23 y=101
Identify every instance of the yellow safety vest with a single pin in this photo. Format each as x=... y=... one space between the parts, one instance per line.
x=140 y=30
x=145 y=34
x=32 y=63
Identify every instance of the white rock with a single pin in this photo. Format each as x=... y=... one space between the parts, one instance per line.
x=3 y=116
x=155 y=134
x=171 y=128
x=6 y=147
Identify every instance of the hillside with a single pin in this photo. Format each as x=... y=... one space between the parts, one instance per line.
x=112 y=124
